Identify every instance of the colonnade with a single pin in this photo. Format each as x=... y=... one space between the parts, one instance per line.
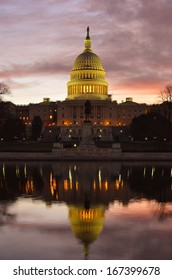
x=87 y=88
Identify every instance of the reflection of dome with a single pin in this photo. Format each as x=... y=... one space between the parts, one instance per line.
x=86 y=223
x=88 y=76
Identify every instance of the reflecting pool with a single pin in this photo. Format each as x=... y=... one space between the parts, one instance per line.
x=92 y=210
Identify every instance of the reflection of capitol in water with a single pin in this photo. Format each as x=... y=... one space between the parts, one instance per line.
x=86 y=187
x=74 y=182
x=67 y=182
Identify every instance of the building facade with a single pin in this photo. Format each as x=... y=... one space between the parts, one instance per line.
x=87 y=82
x=46 y=110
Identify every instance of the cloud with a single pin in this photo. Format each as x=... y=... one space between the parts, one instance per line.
x=36 y=69
x=133 y=39
x=20 y=85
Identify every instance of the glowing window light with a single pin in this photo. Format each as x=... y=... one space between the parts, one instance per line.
x=3 y=169
x=29 y=186
x=65 y=185
x=86 y=214
x=153 y=171
x=117 y=184
x=144 y=172
x=70 y=178
x=100 y=179
x=106 y=185
x=94 y=185
x=52 y=190
x=77 y=185
x=25 y=170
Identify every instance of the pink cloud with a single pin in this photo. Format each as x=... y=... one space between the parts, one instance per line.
x=33 y=70
x=43 y=38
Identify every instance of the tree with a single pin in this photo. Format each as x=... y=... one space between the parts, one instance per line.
x=152 y=126
x=36 y=127
x=4 y=90
x=13 y=129
x=166 y=97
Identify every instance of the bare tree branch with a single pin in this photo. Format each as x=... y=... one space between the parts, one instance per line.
x=4 y=89
x=166 y=98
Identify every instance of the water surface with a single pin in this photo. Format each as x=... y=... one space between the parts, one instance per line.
x=77 y=210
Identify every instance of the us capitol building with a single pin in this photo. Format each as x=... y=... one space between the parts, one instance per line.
x=87 y=82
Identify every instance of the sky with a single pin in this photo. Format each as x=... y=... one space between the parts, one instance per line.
x=40 y=39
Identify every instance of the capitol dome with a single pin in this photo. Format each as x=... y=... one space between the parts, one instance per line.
x=87 y=77
x=86 y=224
x=87 y=60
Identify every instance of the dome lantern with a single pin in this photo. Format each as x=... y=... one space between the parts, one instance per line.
x=87 y=40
